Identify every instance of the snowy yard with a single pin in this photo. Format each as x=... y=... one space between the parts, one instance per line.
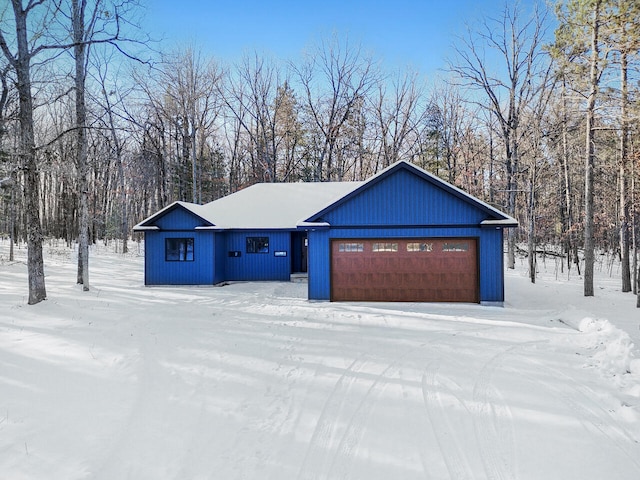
x=252 y=381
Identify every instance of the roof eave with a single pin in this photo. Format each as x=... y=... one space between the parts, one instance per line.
x=145 y=228
x=506 y=222
x=312 y=225
x=210 y=227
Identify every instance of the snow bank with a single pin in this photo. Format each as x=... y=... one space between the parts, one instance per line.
x=613 y=347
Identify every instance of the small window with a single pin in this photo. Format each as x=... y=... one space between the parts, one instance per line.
x=419 y=247
x=455 y=246
x=257 y=244
x=178 y=249
x=385 y=247
x=351 y=247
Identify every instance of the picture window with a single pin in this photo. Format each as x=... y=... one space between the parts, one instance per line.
x=257 y=244
x=179 y=249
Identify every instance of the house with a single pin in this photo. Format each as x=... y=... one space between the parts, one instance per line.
x=402 y=235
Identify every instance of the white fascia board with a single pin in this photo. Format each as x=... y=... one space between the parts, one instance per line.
x=210 y=227
x=142 y=228
x=504 y=222
x=312 y=225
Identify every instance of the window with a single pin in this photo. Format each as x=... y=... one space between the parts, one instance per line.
x=178 y=249
x=455 y=246
x=351 y=247
x=257 y=244
x=419 y=247
x=385 y=247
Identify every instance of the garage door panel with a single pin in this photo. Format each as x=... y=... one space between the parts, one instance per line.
x=413 y=270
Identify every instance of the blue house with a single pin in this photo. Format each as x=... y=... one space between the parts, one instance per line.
x=403 y=235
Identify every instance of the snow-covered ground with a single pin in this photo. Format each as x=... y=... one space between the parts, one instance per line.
x=252 y=381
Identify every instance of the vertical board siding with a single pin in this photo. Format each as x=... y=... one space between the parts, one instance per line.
x=319 y=280
x=405 y=199
x=400 y=205
x=160 y=272
x=179 y=223
x=179 y=219
x=220 y=258
x=258 y=266
x=489 y=255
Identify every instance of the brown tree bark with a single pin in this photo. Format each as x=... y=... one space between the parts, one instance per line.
x=28 y=160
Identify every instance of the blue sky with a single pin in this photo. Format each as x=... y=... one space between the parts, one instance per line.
x=402 y=33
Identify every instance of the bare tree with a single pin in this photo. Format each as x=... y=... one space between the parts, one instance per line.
x=334 y=79
x=80 y=47
x=399 y=112
x=8 y=183
x=511 y=88
x=251 y=95
x=109 y=119
x=21 y=63
x=92 y=23
x=183 y=105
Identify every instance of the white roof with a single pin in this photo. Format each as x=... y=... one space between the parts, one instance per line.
x=270 y=205
x=288 y=205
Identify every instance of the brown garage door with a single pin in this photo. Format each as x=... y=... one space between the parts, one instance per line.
x=405 y=270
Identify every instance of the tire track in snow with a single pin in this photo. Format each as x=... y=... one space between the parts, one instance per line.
x=320 y=453
x=493 y=425
x=590 y=413
x=359 y=420
x=319 y=461
x=455 y=460
x=316 y=457
x=493 y=420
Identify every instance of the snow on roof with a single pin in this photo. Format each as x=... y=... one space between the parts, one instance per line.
x=272 y=205
x=287 y=205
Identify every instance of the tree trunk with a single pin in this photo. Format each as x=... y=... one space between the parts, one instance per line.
x=22 y=65
x=590 y=155
x=570 y=237
x=624 y=150
x=81 y=146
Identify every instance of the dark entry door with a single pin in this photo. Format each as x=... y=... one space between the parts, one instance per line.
x=299 y=252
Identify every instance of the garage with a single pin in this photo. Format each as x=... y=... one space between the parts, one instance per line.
x=405 y=270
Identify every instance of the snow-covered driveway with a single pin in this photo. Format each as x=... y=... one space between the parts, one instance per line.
x=252 y=381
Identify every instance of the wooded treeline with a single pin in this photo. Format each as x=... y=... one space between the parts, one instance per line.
x=536 y=113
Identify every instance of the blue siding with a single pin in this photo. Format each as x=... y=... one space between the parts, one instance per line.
x=258 y=266
x=319 y=265
x=401 y=204
x=404 y=198
x=160 y=272
x=491 y=260
x=179 y=219
x=489 y=255
x=220 y=258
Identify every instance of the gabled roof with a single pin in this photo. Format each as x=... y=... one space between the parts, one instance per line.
x=261 y=206
x=275 y=206
x=497 y=217
x=148 y=223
